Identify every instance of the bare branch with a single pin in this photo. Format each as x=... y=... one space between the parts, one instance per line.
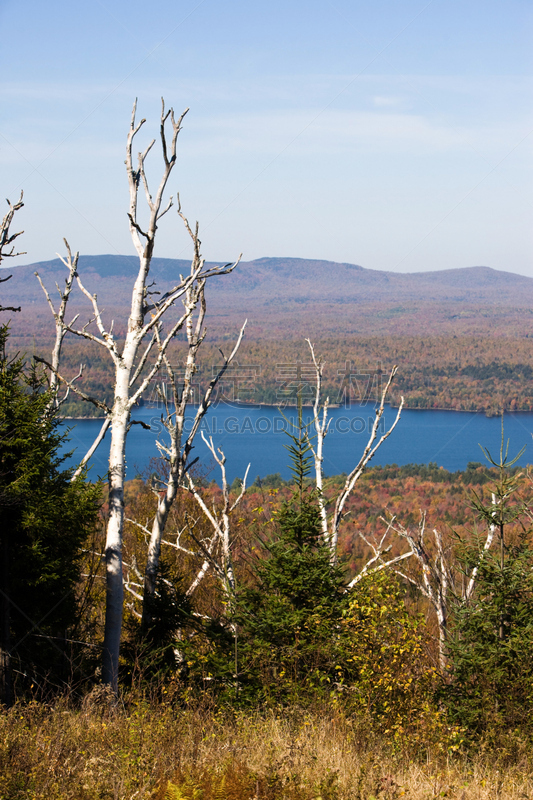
x=243 y=490
x=379 y=551
x=321 y=431
x=128 y=586
x=370 y=450
x=159 y=360
x=107 y=337
x=92 y=449
x=137 y=227
x=206 y=399
x=166 y=209
x=144 y=425
x=488 y=542
x=142 y=362
x=330 y=526
x=220 y=521
x=162 y=306
x=59 y=318
x=200 y=575
x=7 y=238
x=70 y=384
x=434 y=582
x=141 y=527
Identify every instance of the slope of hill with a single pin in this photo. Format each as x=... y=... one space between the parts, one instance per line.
x=282 y=295
x=460 y=337
x=268 y=279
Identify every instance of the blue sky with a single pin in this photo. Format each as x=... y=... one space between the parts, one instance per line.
x=395 y=135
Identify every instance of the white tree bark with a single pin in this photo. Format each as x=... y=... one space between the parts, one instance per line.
x=214 y=553
x=220 y=520
x=177 y=454
x=436 y=578
x=61 y=328
x=493 y=527
x=331 y=522
x=7 y=249
x=434 y=582
x=126 y=375
x=133 y=370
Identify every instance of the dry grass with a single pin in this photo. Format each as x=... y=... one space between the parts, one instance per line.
x=55 y=753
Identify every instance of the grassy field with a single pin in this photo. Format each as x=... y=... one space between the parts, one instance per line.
x=142 y=750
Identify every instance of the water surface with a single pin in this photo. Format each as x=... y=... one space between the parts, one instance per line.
x=256 y=435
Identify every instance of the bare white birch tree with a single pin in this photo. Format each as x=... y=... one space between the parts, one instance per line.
x=137 y=359
x=331 y=521
x=177 y=453
x=437 y=577
x=220 y=520
x=440 y=579
x=61 y=330
x=7 y=248
x=210 y=553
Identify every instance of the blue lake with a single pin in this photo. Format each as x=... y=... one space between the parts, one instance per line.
x=256 y=435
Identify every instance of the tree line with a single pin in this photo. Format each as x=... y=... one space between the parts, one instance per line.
x=457 y=373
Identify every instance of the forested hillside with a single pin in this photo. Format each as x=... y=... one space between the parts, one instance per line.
x=462 y=373
x=297 y=297
x=459 y=337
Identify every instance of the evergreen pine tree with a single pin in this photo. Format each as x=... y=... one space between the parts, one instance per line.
x=492 y=634
x=44 y=520
x=288 y=619
x=492 y=675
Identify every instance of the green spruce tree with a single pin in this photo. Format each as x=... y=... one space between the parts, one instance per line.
x=44 y=520
x=288 y=620
x=491 y=686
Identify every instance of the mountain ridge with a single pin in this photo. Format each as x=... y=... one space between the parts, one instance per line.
x=312 y=296
x=298 y=270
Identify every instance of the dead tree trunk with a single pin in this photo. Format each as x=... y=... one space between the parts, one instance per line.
x=134 y=367
x=61 y=328
x=214 y=552
x=220 y=520
x=178 y=452
x=435 y=579
x=331 y=521
x=7 y=249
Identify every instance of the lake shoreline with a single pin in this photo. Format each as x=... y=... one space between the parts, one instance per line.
x=335 y=406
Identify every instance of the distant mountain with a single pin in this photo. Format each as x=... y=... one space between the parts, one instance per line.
x=295 y=292
x=107 y=266
x=266 y=280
